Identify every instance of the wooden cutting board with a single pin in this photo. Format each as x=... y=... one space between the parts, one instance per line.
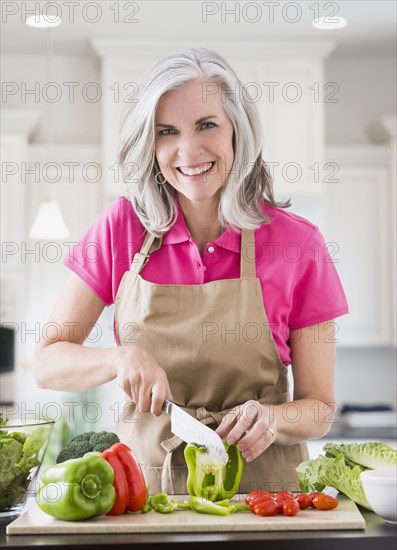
x=346 y=516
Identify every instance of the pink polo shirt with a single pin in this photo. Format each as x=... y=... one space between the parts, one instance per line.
x=300 y=284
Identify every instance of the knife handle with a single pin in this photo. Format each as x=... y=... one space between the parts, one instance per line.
x=167 y=406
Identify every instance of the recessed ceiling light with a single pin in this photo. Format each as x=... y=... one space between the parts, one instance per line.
x=43 y=21
x=330 y=23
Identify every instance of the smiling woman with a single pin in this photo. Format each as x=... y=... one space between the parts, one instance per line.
x=224 y=289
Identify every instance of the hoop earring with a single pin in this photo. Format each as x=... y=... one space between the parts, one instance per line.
x=160 y=182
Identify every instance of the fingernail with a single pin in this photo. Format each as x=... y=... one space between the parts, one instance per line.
x=230 y=440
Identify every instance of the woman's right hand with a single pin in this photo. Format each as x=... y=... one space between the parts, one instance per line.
x=140 y=376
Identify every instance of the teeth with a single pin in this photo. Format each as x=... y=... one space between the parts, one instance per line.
x=195 y=171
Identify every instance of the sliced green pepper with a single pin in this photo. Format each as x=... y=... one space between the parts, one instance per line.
x=209 y=478
x=204 y=506
x=162 y=504
x=147 y=506
x=77 y=488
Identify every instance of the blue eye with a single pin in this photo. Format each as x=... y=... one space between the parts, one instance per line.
x=212 y=124
x=161 y=133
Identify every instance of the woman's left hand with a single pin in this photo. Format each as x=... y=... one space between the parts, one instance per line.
x=251 y=427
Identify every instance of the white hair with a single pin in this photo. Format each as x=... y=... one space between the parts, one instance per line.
x=248 y=183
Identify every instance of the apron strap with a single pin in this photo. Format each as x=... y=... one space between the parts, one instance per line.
x=247 y=254
x=150 y=244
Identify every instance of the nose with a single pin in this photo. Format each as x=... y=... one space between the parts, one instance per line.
x=190 y=147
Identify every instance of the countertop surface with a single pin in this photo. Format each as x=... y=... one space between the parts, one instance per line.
x=377 y=535
x=340 y=431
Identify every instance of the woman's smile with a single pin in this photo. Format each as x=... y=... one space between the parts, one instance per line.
x=197 y=172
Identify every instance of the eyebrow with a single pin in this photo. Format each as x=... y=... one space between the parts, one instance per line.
x=160 y=125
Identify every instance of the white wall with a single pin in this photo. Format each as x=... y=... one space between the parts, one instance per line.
x=75 y=117
x=366 y=376
x=367 y=90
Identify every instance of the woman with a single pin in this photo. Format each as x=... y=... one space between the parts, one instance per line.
x=217 y=289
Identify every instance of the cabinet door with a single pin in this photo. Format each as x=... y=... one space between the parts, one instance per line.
x=358 y=216
x=286 y=93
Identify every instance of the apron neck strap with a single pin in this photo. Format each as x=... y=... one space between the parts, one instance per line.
x=247 y=254
x=150 y=244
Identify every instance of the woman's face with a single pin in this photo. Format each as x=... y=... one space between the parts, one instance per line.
x=193 y=130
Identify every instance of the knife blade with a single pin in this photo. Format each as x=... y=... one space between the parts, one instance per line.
x=191 y=430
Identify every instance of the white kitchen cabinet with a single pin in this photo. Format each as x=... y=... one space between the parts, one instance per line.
x=359 y=225
x=284 y=80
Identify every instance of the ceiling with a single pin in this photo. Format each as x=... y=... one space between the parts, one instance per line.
x=371 y=26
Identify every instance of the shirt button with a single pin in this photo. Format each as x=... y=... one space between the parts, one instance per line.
x=211 y=249
x=198 y=265
x=204 y=268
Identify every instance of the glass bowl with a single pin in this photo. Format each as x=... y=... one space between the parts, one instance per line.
x=23 y=444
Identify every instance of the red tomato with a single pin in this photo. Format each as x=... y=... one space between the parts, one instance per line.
x=285 y=495
x=325 y=502
x=256 y=495
x=266 y=508
x=312 y=496
x=304 y=500
x=290 y=507
x=279 y=501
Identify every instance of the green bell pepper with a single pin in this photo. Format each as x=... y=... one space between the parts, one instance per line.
x=162 y=504
x=204 y=506
x=78 y=488
x=209 y=478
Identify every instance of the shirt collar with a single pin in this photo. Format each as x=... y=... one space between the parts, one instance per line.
x=231 y=240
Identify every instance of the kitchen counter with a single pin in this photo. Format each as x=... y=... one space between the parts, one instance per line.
x=341 y=431
x=377 y=535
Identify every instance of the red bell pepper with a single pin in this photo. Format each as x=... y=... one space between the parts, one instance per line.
x=129 y=482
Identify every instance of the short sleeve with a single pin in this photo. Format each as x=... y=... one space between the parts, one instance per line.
x=318 y=295
x=92 y=257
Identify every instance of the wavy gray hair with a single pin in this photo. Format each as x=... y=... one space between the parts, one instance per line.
x=249 y=181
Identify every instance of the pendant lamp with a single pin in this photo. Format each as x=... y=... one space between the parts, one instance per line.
x=49 y=223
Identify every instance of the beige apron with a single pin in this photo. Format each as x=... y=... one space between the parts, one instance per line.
x=214 y=342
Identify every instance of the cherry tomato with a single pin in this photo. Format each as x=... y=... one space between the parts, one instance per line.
x=304 y=500
x=325 y=502
x=266 y=508
x=256 y=495
x=312 y=496
x=290 y=507
x=279 y=501
x=285 y=495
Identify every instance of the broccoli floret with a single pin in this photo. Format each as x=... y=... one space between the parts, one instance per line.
x=81 y=439
x=76 y=448
x=87 y=442
x=103 y=440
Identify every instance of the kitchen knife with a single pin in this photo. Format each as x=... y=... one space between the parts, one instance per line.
x=192 y=431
